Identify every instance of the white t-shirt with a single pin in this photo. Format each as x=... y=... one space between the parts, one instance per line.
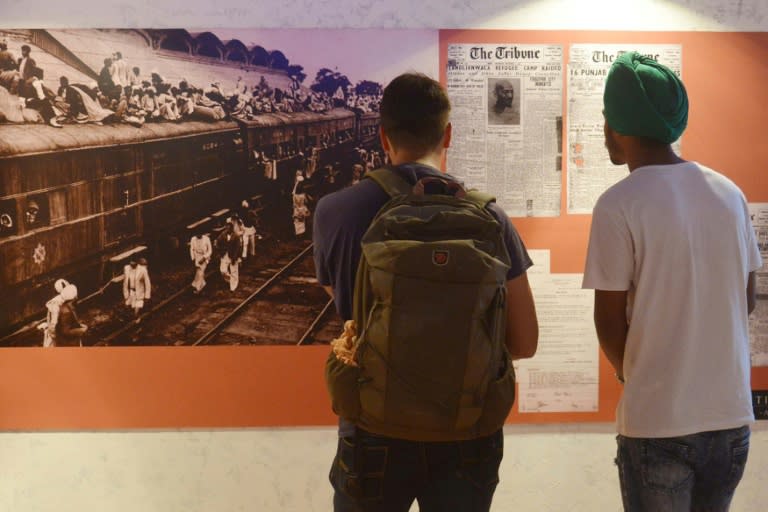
x=679 y=238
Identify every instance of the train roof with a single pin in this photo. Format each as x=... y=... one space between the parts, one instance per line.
x=370 y=115
x=27 y=139
x=284 y=118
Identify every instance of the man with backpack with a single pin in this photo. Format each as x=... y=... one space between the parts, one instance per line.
x=431 y=282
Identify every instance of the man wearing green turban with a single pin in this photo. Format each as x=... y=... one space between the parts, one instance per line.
x=645 y=99
x=672 y=255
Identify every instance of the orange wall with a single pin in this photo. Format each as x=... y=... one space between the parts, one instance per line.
x=726 y=76
x=207 y=387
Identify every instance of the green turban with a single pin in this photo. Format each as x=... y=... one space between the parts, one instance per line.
x=645 y=99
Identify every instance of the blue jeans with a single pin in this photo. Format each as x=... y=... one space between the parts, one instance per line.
x=373 y=473
x=697 y=472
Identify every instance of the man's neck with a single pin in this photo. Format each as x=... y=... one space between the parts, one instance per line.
x=431 y=159
x=653 y=156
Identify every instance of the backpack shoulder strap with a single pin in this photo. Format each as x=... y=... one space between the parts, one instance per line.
x=480 y=199
x=389 y=180
x=394 y=184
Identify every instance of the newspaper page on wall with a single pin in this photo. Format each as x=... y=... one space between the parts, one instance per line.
x=507 y=123
x=758 y=320
x=563 y=376
x=590 y=172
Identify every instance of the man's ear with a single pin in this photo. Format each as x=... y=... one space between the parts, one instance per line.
x=385 y=145
x=447 y=136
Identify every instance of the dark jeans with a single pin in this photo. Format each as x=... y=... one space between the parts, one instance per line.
x=693 y=473
x=379 y=474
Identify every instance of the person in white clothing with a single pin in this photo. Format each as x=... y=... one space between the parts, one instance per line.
x=136 y=285
x=249 y=220
x=671 y=257
x=200 y=251
x=52 y=308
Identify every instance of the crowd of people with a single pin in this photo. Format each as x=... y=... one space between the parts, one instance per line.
x=24 y=98
x=312 y=182
x=123 y=94
x=232 y=243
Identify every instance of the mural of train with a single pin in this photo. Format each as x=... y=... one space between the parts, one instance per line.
x=75 y=202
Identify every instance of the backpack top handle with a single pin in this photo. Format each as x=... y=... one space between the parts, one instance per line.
x=449 y=188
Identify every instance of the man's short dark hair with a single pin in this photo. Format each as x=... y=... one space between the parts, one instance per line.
x=414 y=112
x=25 y=47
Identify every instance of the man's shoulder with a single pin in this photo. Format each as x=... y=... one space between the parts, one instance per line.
x=352 y=198
x=498 y=212
x=718 y=177
x=348 y=212
x=619 y=192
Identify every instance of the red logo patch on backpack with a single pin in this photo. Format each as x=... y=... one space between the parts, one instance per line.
x=440 y=257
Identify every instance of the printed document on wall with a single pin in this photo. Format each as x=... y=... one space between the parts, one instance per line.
x=758 y=320
x=507 y=123
x=590 y=171
x=563 y=375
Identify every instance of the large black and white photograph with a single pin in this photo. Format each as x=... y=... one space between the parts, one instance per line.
x=157 y=186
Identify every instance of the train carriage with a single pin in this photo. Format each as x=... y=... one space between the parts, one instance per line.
x=282 y=135
x=75 y=202
x=71 y=199
x=368 y=128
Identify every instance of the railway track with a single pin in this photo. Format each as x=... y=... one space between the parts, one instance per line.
x=277 y=301
x=240 y=321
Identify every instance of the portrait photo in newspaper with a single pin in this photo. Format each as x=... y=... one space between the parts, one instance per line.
x=504 y=98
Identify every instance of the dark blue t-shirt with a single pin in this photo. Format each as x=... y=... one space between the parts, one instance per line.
x=342 y=218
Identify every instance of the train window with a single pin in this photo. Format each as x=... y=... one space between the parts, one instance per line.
x=8 y=222
x=58 y=207
x=36 y=212
x=167 y=180
x=84 y=199
x=118 y=161
x=158 y=158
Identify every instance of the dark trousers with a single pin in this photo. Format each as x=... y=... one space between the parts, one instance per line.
x=373 y=473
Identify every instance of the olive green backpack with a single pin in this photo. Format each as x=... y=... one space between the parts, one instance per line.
x=430 y=310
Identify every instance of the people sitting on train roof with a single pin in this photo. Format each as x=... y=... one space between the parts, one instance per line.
x=9 y=73
x=134 y=78
x=123 y=95
x=120 y=71
x=77 y=111
x=106 y=83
